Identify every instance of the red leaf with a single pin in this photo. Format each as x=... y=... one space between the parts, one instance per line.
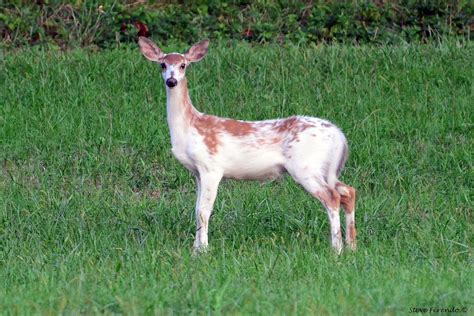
x=248 y=33
x=142 y=29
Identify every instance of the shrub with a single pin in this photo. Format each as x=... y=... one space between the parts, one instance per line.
x=108 y=24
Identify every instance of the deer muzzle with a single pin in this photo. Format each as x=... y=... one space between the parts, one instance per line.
x=171 y=82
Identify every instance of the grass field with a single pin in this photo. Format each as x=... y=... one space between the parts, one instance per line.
x=97 y=216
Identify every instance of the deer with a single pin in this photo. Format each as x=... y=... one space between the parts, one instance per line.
x=313 y=151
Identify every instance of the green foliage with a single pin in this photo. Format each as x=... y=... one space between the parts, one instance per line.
x=96 y=216
x=110 y=23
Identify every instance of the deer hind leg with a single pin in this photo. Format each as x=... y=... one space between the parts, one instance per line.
x=330 y=198
x=348 y=199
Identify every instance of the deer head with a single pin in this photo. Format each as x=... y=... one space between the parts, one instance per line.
x=173 y=65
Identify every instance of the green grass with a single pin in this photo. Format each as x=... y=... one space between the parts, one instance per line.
x=97 y=216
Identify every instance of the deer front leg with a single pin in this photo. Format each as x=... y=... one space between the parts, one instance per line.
x=207 y=192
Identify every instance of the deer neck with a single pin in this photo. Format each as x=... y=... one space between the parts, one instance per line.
x=180 y=112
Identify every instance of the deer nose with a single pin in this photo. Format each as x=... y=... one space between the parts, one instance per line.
x=171 y=82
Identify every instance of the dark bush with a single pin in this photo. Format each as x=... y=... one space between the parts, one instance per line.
x=108 y=23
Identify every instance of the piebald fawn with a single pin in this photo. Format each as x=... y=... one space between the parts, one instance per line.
x=312 y=150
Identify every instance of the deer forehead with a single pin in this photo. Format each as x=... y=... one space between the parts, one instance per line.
x=174 y=59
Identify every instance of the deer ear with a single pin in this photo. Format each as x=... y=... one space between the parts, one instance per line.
x=149 y=49
x=197 y=51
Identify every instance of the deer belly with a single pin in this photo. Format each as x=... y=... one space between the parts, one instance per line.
x=263 y=166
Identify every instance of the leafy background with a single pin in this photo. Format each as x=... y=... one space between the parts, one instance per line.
x=103 y=24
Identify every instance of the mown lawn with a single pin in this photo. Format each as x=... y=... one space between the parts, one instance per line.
x=97 y=216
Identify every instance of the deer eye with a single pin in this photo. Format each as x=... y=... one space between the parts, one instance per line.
x=163 y=66
x=183 y=66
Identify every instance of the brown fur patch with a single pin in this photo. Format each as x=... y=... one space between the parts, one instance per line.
x=211 y=126
x=174 y=59
x=265 y=141
x=352 y=233
x=329 y=197
x=293 y=126
x=237 y=128
x=206 y=125
x=348 y=200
